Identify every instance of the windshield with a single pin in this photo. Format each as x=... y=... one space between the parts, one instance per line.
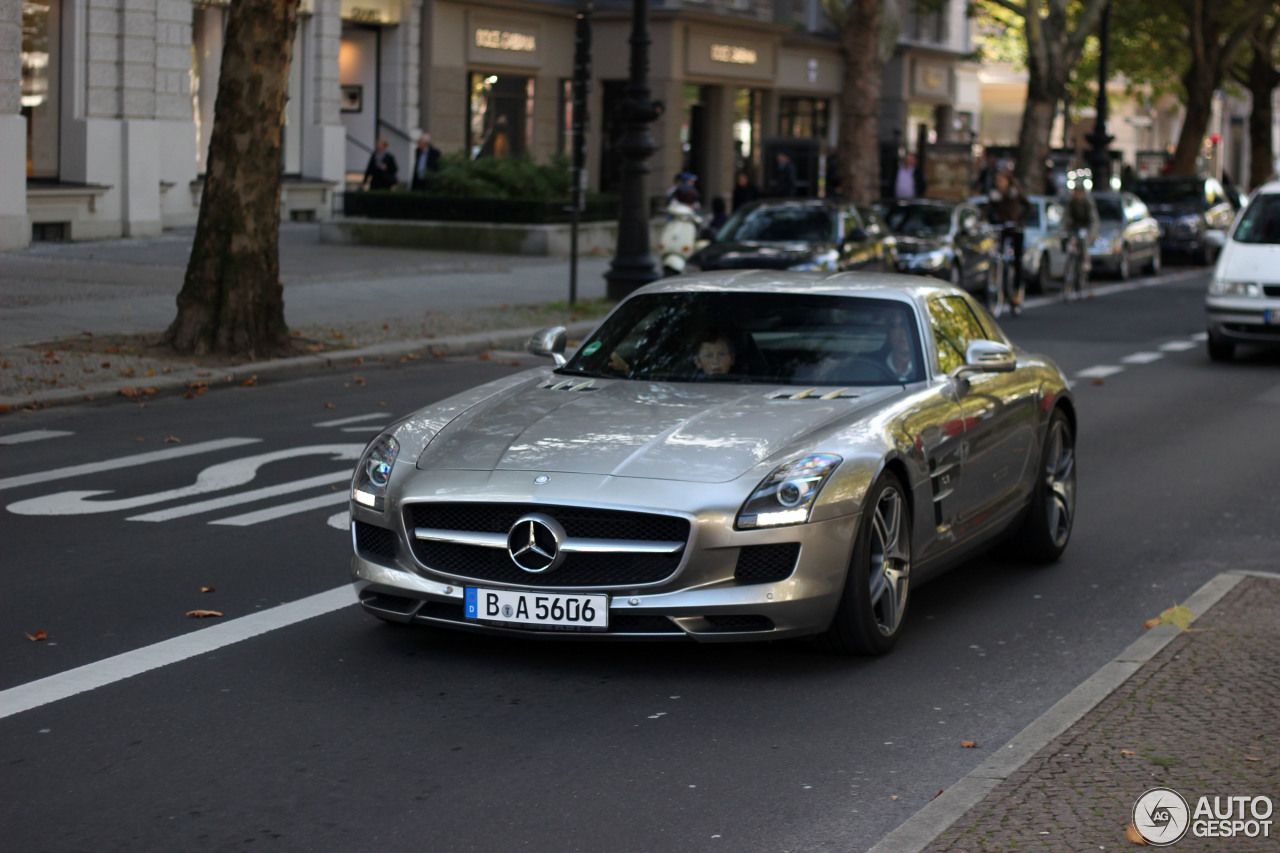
x=775 y=338
x=789 y=224
x=1109 y=209
x=919 y=220
x=1188 y=192
x=1260 y=222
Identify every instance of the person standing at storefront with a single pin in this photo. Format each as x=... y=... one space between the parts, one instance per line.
x=744 y=190
x=784 y=179
x=426 y=159
x=909 y=182
x=381 y=172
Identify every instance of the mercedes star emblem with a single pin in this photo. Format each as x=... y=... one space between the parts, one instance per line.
x=534 y=543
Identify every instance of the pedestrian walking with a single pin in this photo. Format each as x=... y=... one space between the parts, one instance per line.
x=382 y=170
x=426 y=159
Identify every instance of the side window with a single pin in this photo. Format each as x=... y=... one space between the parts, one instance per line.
x=953 y=326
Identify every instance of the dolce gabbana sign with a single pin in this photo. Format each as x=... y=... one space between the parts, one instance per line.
x=506 y=40
x=503 y=41
x=721 y=54
x=733 y=53
x=371 y=11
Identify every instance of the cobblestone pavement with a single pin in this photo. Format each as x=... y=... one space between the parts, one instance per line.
x=1202 y=717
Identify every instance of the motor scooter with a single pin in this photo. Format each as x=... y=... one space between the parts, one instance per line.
x=679 y=237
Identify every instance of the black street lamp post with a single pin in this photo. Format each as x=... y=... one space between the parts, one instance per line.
x=1099 y=140
x=633 y=265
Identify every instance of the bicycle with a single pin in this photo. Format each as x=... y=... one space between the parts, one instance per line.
x=1077 y=266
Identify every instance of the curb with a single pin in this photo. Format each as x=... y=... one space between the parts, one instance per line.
x=922 y=828
x=476 y=342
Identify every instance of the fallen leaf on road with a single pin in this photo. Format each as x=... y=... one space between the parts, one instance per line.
x=1127 y=752
x=129 y=391
x=250 y=382
x=935 y=796
x=41 y=635
x=139 y=438
x=484 y=356
x=339 y=335
x=1246 y=758
x=206 y=589
x=105 y=364
x=1133 y=835
x=112 y=349
x=1179 y=615
x=172 y=439
x=969 y=744
x=359 y=380
x=1151 y=623
x=201 y=614
x=1099 y=381
x=329 y=406
x=893 y=796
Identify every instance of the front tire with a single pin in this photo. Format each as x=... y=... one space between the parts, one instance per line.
x=1047 y=528
x=1220 y=350
x=873 y=605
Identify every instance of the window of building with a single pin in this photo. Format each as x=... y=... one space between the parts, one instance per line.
x=748 y=120
x=803 y=118
x=924 y=24
x=564 y=124
x=500 y=115
x=40 y=90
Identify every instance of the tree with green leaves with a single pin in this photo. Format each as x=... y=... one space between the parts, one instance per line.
x=1055 y=32
x=232 y=300
x=1259 y=72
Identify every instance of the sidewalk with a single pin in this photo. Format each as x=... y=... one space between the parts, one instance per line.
x=1195 y=711
x=349 y=301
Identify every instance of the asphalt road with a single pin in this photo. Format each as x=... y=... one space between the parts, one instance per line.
x=336 y=732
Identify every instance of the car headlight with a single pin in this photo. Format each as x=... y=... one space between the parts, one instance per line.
x=786 y=496
x=1220 y=287
x=369 y=485
x=824 y=261
x=1191 y=223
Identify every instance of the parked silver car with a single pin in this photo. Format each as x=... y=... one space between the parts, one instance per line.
x=730 y=456
x=1128 y=236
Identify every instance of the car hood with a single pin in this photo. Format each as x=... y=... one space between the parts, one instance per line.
x=770 y=256
x=704 y=433
x=1249 y=262
x=919 y=245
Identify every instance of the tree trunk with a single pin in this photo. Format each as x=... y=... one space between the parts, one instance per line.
x=1263 y=78
x=1033 y=134
x=858 y=148
x=1186 y=155
x=232 y=300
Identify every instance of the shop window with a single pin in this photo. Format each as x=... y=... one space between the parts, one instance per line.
x=803 y=118
x=40 y=90
x=500 y=119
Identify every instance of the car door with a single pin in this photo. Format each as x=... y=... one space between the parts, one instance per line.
x=999 y=411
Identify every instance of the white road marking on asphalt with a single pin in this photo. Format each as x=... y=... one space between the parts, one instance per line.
x=352 y=420
x=246 y=497
x=42 y=477
x=225 y=475
x=1178 y=346
x=372 y=428
x=91 y=676
x=1200 y=337
x=340 y=520
x=1142 y=358
x=32 y=435
x=1100 y=372
x=272 y=513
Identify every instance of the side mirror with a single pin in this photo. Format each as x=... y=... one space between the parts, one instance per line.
x=986 y=357
x=549 y=342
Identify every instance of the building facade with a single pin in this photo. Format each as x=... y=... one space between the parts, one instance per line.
x=106 y=106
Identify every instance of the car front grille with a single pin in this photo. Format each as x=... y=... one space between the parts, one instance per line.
x=766 y=563
x=578 y=569
x=1271 y=289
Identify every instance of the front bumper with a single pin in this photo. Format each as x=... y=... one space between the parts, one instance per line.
x=1244 y=320
x=704 y=599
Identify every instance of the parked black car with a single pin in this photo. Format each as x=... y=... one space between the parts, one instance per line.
x=1194 y=214
x=804 y=234
x=944 y=239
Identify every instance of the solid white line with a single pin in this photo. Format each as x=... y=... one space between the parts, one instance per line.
x=366 y=428
x=272 y=513
x=1100 y=372
x=352 y=420
x=124 y=462
x=1142 y=358
x=32 y=435
x=1201 y=337
x=94 y=675
x=244 y=497
x=1178 y=346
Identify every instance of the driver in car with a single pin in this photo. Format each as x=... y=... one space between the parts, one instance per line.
x=714 y=355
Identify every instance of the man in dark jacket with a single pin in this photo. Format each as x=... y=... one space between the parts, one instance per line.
x=784 y=179
x=426 y=159
x=380 y=174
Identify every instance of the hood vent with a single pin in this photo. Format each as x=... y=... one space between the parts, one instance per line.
x=572 y=385
x=814 y=394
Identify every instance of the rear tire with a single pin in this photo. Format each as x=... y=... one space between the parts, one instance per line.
x=1154 y=266
x=873 y=605
x=1123 y=270
x=1047 y=528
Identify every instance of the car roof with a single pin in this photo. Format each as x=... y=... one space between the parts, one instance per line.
x=906 y=288
x=829 y=204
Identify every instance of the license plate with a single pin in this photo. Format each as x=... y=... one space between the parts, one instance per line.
x=542 y=610
x=1271 y=317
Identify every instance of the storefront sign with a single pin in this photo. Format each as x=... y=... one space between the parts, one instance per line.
x=371 y=11
x=931 y=80
x=733 y=53
x=506 y=40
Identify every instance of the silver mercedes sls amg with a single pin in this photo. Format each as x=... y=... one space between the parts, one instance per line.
x=729 y=456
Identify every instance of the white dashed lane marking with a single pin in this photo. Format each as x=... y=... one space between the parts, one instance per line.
x=1142 y=358
x=32 y=435
x=1102 y=371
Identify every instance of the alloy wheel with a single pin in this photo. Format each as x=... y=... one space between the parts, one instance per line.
x=1060 y=482
x=890 y=562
